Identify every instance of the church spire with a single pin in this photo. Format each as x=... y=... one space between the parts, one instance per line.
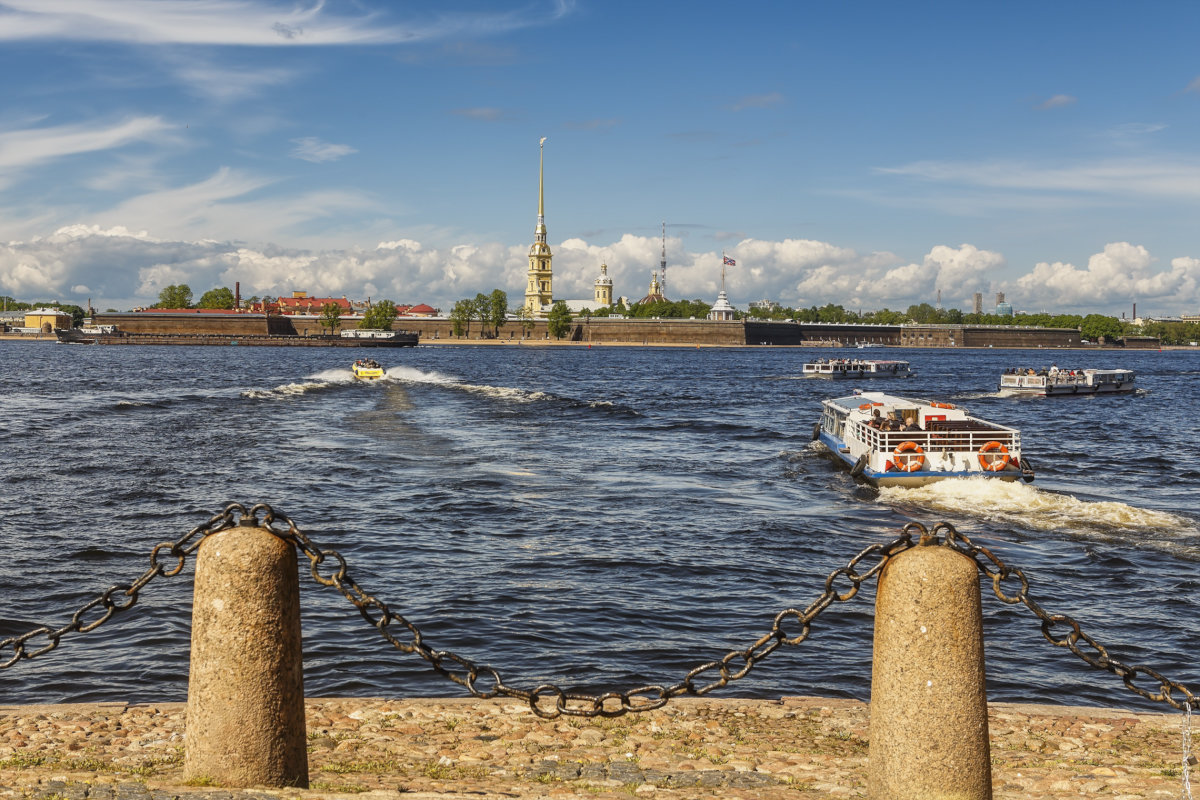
x=539 y=293
x=540 y=232
x=663 y=262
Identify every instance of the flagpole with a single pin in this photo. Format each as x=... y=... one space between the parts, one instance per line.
x=722 y=270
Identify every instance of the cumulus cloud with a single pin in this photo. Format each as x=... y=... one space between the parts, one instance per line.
x=1122 y=273
x=117 y=267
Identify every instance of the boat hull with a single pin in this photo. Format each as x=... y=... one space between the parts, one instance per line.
x=916 y=478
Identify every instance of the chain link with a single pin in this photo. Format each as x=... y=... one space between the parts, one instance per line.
x=1094 y=653
x=121 y=596
x=790 y=626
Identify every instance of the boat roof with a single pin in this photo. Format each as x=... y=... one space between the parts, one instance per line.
x=853 y=401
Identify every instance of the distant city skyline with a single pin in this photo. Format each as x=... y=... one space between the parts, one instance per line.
x=870 y=156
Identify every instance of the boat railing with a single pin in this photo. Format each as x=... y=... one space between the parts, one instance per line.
x=941 y=437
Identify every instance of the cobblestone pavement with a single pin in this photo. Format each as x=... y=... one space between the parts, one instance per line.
x=693 y=748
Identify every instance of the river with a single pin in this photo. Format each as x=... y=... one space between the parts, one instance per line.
x=599 y=518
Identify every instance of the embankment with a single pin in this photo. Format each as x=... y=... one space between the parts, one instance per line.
x=693 y=748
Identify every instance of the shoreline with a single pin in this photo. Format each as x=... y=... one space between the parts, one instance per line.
x=794 y=747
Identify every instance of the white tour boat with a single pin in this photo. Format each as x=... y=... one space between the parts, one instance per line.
x=843 y=368
x=1055 y=381
x=898 y=441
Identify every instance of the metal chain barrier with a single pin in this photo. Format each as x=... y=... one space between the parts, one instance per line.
x=179 y=550
x=550 y=701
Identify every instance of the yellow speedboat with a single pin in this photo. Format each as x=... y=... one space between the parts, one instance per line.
x=367 y=369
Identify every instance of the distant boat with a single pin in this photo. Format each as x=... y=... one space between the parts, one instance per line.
x=1056 y=382
x=898 y=441
x=845 y=368
x=862 y=345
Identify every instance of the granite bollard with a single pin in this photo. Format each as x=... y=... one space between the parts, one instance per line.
x=928 y=728
x=245 y=707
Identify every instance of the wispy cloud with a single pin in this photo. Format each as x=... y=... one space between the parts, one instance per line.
x=1194 y=86
x=310 y=148
x=593 y=124
x=257 y=23
x=1057 y=101
x=482 y=114
x=1172 y=178
x=757 y=101
x=31 y=146
x=225 y=83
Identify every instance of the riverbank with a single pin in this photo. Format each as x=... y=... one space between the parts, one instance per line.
x=796 y=747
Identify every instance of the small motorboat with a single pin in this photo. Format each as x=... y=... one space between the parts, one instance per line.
x=845 y=368
x=367 y=369
x=1055 y=382
x=898 y=441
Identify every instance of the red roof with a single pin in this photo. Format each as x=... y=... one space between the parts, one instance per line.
x=422 y=309
x=311 y=305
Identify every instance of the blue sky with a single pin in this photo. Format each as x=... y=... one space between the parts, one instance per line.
x=868 y=154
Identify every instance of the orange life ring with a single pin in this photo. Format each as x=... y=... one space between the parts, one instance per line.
x=991 y=463
x=865 y=406
x=941 y=405
x=913 y=456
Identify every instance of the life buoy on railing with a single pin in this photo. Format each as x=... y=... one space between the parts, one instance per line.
x=908 y=456
x=991 y=460
x=941 y=405
x=866 y=406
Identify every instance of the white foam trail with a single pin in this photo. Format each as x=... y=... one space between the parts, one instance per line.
x=1023 y=505
x=320 y=380
x=411 y=375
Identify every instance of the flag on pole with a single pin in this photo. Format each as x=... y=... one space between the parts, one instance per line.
x=729 y=262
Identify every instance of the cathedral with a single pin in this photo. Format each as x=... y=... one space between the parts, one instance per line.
x=539 y=294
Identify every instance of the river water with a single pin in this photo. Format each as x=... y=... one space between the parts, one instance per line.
x=598 y=518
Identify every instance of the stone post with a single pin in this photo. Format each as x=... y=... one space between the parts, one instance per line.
x=245 y=711
x=929 y=728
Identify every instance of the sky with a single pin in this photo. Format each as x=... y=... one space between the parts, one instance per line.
x=868 y=154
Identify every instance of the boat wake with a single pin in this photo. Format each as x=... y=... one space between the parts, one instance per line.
x=325 y=379
x=1021 y=505
x=503 y=393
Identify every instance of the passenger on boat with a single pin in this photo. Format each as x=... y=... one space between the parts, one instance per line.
x=910 y=424
x=1053 y=370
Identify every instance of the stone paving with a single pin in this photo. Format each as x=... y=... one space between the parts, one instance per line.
x=483 y=749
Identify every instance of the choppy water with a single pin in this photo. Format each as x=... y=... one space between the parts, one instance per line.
x=597 y=518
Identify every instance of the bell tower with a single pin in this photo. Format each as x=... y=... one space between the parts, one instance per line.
x=539 y=295
x=604 y=287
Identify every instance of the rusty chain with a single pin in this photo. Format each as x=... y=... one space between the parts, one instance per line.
x=736 y=664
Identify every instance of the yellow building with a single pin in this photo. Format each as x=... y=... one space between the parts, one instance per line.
x=48 y=319
x=604 y=287
x=539 y=294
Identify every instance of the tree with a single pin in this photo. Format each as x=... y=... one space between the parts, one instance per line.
x=1096 y=325
x=380 y=316
x=460 y=317
x=525 y=317
x=482 y=308
x=331 y=317
x=216 y=298
x=498 y=312
x=175 y=297
x=558 y=322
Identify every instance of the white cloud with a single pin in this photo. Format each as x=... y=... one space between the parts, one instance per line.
x=117 y=267
x=24 y=148
x=256 y=23
x=1122 y=274
x=310 y=148
x=1058 y=101
x=1169 y=178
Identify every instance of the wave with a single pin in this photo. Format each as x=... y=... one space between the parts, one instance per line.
x=1022 y=505
x=325 y=379
x=503 y=393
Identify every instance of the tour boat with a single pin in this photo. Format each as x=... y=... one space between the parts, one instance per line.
x=1055 y=381
x=898 y=441
x=367 y=369
x=842 y=368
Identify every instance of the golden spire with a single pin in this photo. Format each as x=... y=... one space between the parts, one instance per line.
x=540 y=233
